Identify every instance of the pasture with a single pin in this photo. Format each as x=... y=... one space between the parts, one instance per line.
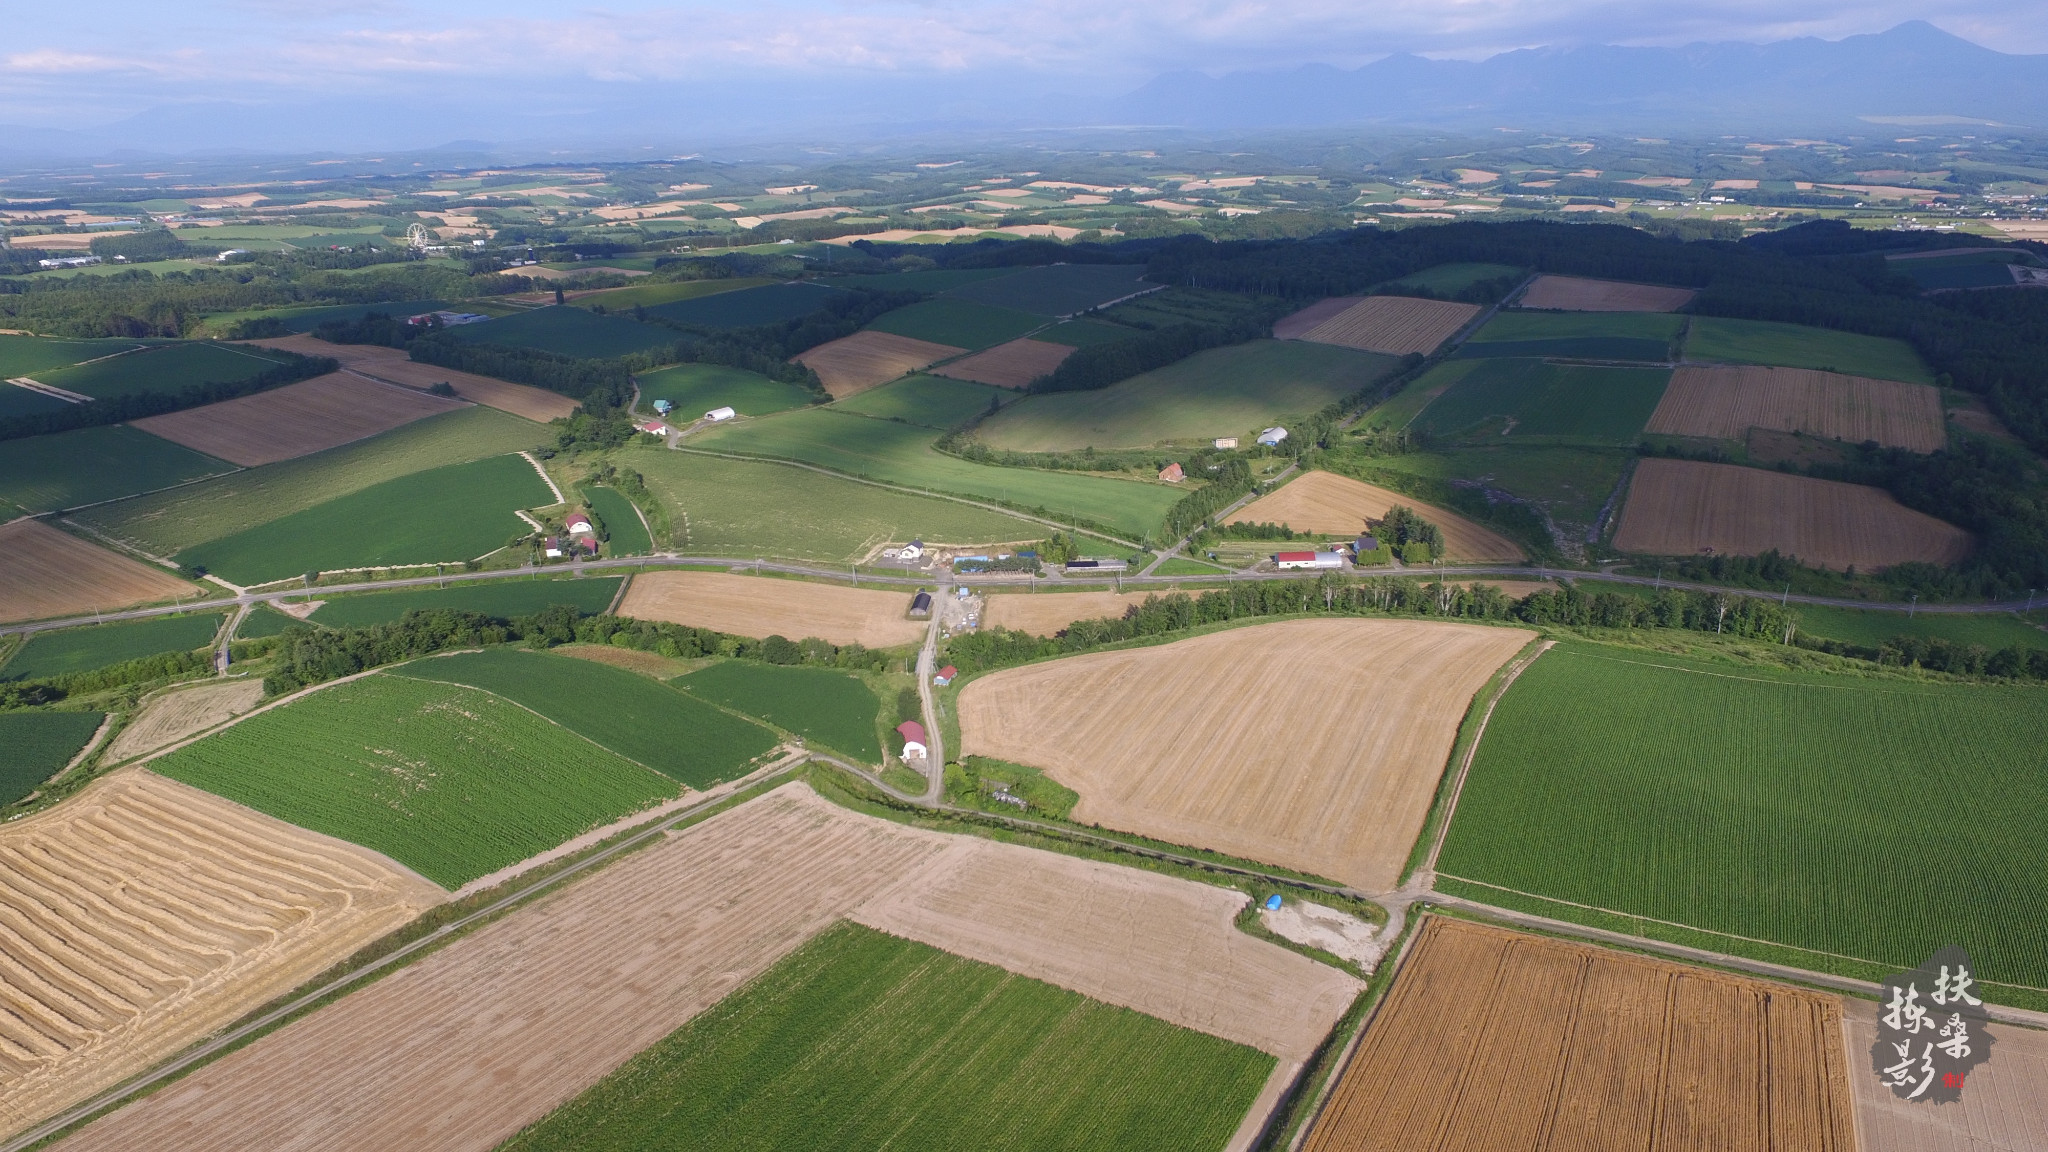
x=1576 y=294
x=1328 y=504
x=1640 y=336
x=621 y=522
x=162 y=368
x=1496 y=1039
x=1534 y=401
x=444 y=514
x=1011 y=365
x=932 y=401
x=1993 y=630
x=45 y=574
x=1724 y=403
x=695 y=389
x=1221 y=392
x=1392 y=325
x=452 y=782
x=856 y=363
x=757 y=607
x=89 y=465
x=500 y=599
x=1751 y=801
x=567 y=331
x=295 y=420
x=749 y=307
x=97 y=646
x=1713 y=339
x=1570 y=484
x=960 y=324
x=643 y=720
x=824 y=706
x=169 y=717
x=38 y=744
x=1684 y=508
x=1058 y=289
x=1334 y=782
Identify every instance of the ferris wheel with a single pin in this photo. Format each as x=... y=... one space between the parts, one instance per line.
x=416 y=237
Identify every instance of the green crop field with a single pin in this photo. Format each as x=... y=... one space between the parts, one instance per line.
x=621 y=523
x=170 y=522
x=933 y=401
x=99 y=645
x=454 y=783
x=30 y=355
x=1221 y=392
x=1536 y=401
x=960 y=323
x=822 y=705
x=1992 y=630
x=501 y=599
x=695 y=389
x=1181 y=566
x=1791 y=346
x=38 y=744
x=568 y=332
x=902 y=454
x=261 y=622
x=1875 y=819
x=307 y=319
x=86 y=466
x=860 y=1039
x=1445 y=279
x=1057 y=290
x=643 y=720
x=164 y=368
x=1647 y=336
x=930 y=280
x=748 y=508
x=16 y=401
x=1400 y=410
x=1085 y=333
x=458 y=512
x=649 y=295
x=1570 y=483
x=749 y=307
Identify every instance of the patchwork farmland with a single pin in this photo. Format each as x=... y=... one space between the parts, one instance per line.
x=91 y=465
x=822 y=705
x=856 y=363
x=394 y=366
x=1394 y=325
x=46 y=573
x=1328 y=504
x=752 y=606
x=296 y=420
x=1012 y=365
x=1725 y=403
x=1577 y=294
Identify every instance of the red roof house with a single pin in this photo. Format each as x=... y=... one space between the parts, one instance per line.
x=1172 y=474
x=945 y=675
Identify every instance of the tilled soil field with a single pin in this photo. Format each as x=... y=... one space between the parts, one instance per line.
x=1685 y=507
x=46 y=573
x=1574 y=294
x=1395 y=325
x=1325 y=502
x=753 y=606
x=392 y=364
x=856 y=363
x=1726 y=402
x=173 y=716
x=1492 y=1039
x=1323 y=755
x=2004 y=1106
x=295 y=420
x=1012 y=365
x=141 y=915
x=1299 y=324
x=1045 y=613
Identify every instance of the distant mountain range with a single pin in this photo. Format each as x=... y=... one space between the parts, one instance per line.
x=1915 y=74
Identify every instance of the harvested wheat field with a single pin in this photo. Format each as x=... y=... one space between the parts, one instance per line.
x=1299 y=324
x=393 y=366
x=1574 y=294
x=1492 y=1039
x=1684 y=508
x=1324 y=502
x=1012 y=365
x=172 y=716
x=753 y=606
x=1396 y=325
x=1323 y=755
x=45 y=573
x=2004 y=1106
x=853 y=364
x=1044 y=613
x=1726 y=402
x=141 y=915
x=296 y=420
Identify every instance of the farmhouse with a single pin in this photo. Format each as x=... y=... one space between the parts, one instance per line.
x=654 y=428
x=1365 y=544
x=921 y=604
x=1272 y=436
x=1172 y=474
x=552 y=548
x=718 y=415
x=1308 y=560
x=913 y=739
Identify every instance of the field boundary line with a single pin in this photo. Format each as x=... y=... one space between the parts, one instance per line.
x=1443 y=828
x=544 y=477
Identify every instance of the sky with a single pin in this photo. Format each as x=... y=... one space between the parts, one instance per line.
x=65 y=66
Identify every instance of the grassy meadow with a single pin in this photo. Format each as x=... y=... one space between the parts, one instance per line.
x=1645 y=336
x=38 y=744
x=1793 y=346
x=695 y=389
x=71 y=650
x=502 y=599
x=960 y=323
x=261 y=622
x=932 y=401
x=1856 y=626
x=162 y=368
x=1568 y=482
x=824 y=706
x=89 y=465
x=1537 y=401
x=568 y=331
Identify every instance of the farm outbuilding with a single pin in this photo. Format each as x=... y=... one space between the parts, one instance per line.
x=1172 y=474
x=578 y=524
x=913 y=739
x=945 y=675
x=921 y=604
x=719 y=415
x=1272 y=436
x=1226 y=442
x=1308 y=560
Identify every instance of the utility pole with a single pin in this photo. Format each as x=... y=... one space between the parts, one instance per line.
x=1914 y=606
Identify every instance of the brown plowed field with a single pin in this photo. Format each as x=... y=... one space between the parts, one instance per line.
x=1396 y=325
x=394 y=365
x=1325 y=502
x=1573 y=294
x=173 y=716
x=853 y=364
x=46 y=573
x=1726 y=402
x=1012 y=365
x=2004 y=1106
x=753 y=606
x=1044 y=613
x=295 y=420
x=1684 y=507
x=1313 y=744
x=1150 y=943
x=142 y=914
x=1301 y=323
x=1494 y=1040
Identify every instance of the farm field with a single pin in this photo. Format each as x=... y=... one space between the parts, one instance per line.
x=1725 y=403
x=902 y=454
x=162 y=368
x=1445 y=279
x=567 y=331
x=621 y=522
x=174 y=715
x=88 y=465
x=1495 y=1039
x=648 y=295
x=19 y=401
x=1400 y=410
x=928 y=280
x=960 y=324
x=1334 y=782
x=1992 y=630
x=856 y=363
x=1045 y=613
x=454 y=783
x=822 y=705
x=28 y=355
x=758 y=607
x=1328 y=504
x=1577 y=294
x=1393 y=325
x=1739 y=799
x=453 y=513
x=392 y=364
x=45 y=574
x=99 y=645
x=2004 y=1106
x=1534 y=400
x=1058 y=289
x=864 y=1040
x=295 y=420
x=1084 y=333
x=1012 y=365
x=1684 y=507
x=1792 y=346
x=167 y=523
x=1295 y=325
x=748 y=508
x=1990 y=268
x=695 y=389
x=748 y=307
x=647 y=722
x=38 y=744
x=1640 y=336
x=261 y=622
x=933 y=401
x=1221 y=392
x=156 y=914
x=307 y=319
x=502 y=599
x=1569 y=483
